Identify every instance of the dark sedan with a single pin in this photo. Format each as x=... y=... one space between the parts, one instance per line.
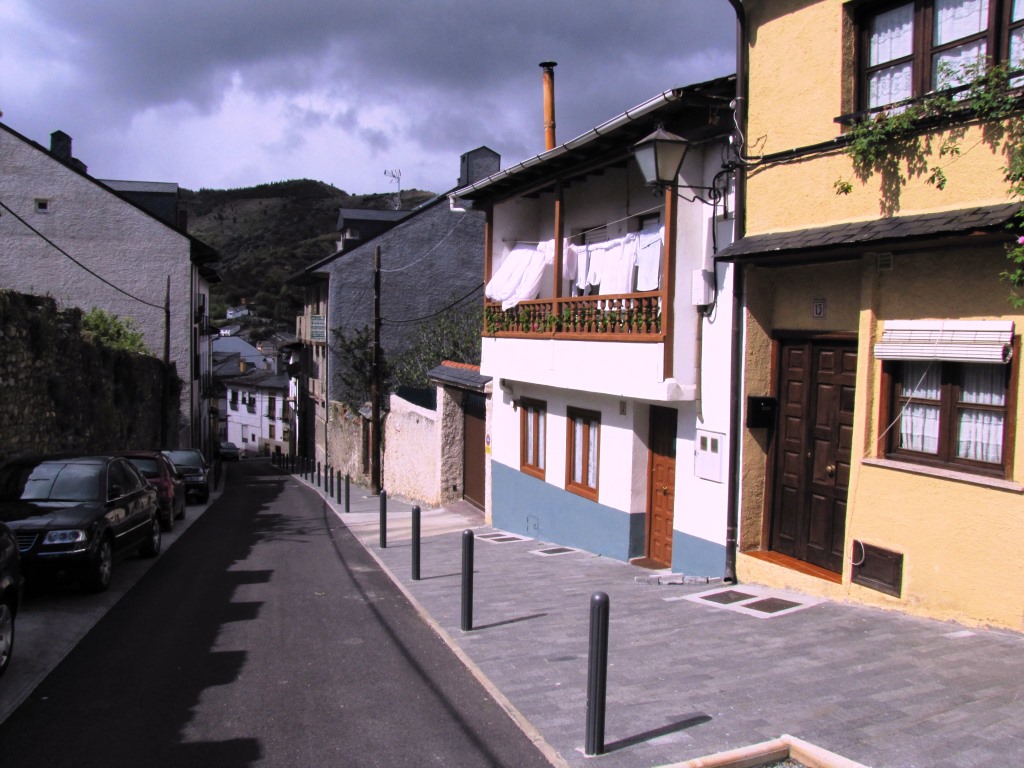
x=164 y=476
x=192 y=465
x=10 y=593
x=75 y=515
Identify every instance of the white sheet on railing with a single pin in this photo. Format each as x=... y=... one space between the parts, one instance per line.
x=648 y=259
x=520 y=274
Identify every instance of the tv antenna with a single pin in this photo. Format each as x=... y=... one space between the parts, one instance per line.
x=396 y=177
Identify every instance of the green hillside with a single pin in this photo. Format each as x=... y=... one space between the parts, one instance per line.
x=267 y=233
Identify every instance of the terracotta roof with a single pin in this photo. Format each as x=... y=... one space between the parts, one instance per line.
x=459 y=375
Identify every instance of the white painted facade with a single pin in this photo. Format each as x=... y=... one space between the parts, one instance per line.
x=258 y=417
x=64 y=234
x=621 y=380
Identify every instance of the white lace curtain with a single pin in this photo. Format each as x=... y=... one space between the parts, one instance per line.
x=956 y=19
x=892 y=37
x=578 y=469
x=979 y=431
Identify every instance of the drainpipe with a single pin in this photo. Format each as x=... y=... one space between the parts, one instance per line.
x=736 y=384
x=549 y=103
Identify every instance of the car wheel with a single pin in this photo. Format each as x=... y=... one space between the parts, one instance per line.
x=151 y=547
x=102 y=566
x=167 y=521
x=6 y=635
x=181 y=509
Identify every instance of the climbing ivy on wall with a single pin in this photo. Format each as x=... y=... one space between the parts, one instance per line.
x=919 y=139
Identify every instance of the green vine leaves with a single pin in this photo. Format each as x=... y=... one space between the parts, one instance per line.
x=916 y=140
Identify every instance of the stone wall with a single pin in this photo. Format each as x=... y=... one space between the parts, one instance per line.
x=62 y=392
x=412 y=443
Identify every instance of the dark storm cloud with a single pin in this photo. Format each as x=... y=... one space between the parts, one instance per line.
x=451 y=74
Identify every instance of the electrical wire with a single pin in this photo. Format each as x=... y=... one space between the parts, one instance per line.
x=386 y=321
x=421 y=258
x=68 y=256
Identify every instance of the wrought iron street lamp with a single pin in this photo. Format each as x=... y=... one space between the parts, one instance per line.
x=660 y=156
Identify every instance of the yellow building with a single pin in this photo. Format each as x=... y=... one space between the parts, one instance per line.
x=880 y=457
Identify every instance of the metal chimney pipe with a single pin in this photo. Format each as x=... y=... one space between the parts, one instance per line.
x=549 y=103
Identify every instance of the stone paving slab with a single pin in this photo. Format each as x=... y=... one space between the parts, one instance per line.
x=686 y=679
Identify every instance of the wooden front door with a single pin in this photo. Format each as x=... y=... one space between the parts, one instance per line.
x=661 y=485
x=812 y=465
x=474 y=461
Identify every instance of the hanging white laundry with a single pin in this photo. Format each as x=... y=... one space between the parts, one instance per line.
x=530 y=281
x=648 y=259
x=569 y=261
x=506 y=279
x=618 y=263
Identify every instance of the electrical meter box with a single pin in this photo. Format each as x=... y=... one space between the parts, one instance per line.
x=709 y=455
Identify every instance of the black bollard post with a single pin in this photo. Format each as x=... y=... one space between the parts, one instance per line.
x=415 y=543
x=318 y=474
x=383 y=519
x=348 y=497
x=467 y=580
x=330 y=477
x=597 y=676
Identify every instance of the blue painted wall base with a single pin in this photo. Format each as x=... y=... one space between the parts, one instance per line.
x=530 y=507
x=694 y=556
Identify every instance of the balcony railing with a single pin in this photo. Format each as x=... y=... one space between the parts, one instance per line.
x=625 y=317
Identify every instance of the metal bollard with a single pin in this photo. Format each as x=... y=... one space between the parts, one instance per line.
x=383 y=519
x=318 y=474
x=415 y=543
x=348 y=480
x=597 y=676
x=467 y=580
x=330 y=476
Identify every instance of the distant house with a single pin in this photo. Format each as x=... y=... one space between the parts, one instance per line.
x=91 y=244
x=429 y=262
x=233 y=313
x=258 y=415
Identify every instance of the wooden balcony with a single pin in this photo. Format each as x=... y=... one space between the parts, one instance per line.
x=626 y=317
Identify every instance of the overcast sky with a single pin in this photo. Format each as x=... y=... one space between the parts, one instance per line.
x=231 y=93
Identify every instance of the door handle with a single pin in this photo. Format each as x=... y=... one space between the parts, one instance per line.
x=830 y=470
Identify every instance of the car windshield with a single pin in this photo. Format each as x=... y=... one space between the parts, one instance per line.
x=186 y=458
x=50 y=481
x=148 y=467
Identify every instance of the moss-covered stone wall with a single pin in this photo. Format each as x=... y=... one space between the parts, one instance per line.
x=62 y=392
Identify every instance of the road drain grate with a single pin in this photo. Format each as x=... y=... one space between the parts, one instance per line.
x=752 y=600
x=551 y=551
x=500 y=537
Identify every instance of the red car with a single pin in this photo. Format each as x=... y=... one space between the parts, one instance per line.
x=164 y=476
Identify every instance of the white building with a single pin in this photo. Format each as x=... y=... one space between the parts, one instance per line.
x=259 y=417
x=91 y=244
x=608 y=333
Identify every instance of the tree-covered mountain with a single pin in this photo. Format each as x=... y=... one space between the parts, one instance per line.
x=267 y=233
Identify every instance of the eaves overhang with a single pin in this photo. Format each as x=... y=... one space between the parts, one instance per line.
x=962 y=227
x=684 y=111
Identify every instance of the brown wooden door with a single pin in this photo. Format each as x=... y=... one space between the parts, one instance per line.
x=474 y=459
x=812 y=474
x=661 y=485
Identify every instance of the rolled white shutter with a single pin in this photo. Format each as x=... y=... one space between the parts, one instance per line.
x=968 y=341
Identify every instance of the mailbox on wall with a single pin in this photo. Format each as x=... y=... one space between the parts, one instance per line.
x=761 y=412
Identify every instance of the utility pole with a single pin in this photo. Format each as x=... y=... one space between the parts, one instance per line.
x=167 y=364
x=375 y=452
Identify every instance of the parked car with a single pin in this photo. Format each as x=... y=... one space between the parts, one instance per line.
x=10 y=593
x=192 y=465
x=165 y=477
x=228 y=451
x=75 y=515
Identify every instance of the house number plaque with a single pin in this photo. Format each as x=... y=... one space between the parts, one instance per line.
x=818 y=309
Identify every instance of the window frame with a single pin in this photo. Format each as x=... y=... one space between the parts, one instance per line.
x=924 y=49
x=948 y=405
x=539 y=410
x=589 y=418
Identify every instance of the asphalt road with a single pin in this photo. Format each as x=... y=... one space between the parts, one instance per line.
x=266 y=636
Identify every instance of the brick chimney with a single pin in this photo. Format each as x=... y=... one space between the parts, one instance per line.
x=478 y=164
x=60 y=147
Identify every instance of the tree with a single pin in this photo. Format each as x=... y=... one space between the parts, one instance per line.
x=452 y=335
x=355 y=357
x=111 y=331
